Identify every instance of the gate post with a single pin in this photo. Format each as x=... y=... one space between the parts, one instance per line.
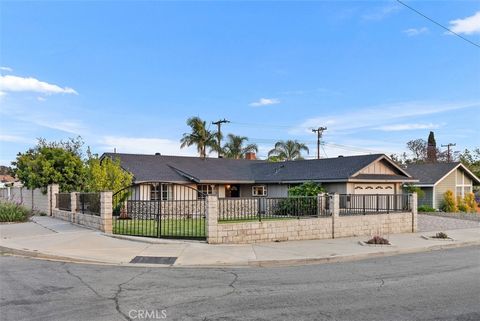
x=52 y=191
x=212 y=219
x=334 y=207
x=106 y=212
x=413 y=207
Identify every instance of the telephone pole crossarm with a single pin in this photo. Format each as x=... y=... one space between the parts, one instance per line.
x=219 y=132
x=319 y=132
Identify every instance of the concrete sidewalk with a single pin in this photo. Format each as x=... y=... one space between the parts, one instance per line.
x=50 y=238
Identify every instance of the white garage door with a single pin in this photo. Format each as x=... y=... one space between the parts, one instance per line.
x=374 y=189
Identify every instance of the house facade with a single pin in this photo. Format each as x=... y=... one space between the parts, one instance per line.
x=164 y=178
x=437 y=178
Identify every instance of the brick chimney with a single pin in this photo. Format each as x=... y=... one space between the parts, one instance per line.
x=250 y=156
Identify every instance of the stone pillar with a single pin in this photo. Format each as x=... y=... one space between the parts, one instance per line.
x=106 y=212
x=73 y=206
x=212 y=219
x=334 y=206
x=414 y=208
x=322 y=199
x=52 y=191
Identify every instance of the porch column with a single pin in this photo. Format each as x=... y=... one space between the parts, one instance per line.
x=211 y=219
x=414 y=208
x=334 y=206
x=106 y=212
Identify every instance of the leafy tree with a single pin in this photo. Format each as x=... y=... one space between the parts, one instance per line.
x=471 y=159
x=306 y=189
x=51 y=163
x=6 y=170
x=288 y=150
x=105 y=174
x=235 y=148
x=418 y=148
x=431 y=148
x=470 y=202
x=200 y=136
x=412 y=188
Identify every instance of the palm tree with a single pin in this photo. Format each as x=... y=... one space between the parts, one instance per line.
x=199 y=136
x=287 y=150
x=234 y=148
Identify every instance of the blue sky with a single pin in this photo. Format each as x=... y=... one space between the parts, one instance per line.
x=126 y=75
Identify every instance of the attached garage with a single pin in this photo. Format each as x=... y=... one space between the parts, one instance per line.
x=374 y=188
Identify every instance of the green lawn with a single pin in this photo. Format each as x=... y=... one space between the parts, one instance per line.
x=168 y=228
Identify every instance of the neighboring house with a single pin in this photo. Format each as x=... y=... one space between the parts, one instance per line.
x=437 y=178
x=6 y=181
x=159 y=175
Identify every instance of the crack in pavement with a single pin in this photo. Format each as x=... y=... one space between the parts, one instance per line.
x=120 y=289
x=64 y=265
x=230 y=285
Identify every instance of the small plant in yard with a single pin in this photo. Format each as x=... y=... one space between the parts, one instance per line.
x=12 y=212
x=471 y=203
x=378 y=240
x=449 y=204
x=462 y=207
x=425 y=208
x=441 y=235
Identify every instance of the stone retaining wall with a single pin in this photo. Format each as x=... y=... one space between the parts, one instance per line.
x=378 y=224
x=63 y=215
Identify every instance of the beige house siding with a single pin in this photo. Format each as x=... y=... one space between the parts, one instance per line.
x=448 y=183
x=378 y=167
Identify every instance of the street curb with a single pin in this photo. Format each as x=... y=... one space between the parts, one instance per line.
x=152 y=240
x=247 y=264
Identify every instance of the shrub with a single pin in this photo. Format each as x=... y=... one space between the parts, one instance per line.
x=378 y=240
x=462 y=207
x=449 y=204
x=425 y=208
x=411 y=188
x=306 y=189
x=12 y=212
x=471 y=203
x=441 y=235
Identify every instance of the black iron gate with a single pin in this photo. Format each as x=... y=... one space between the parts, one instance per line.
x=157 y=209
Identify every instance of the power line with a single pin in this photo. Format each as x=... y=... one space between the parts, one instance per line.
x=219 y=132
x=438 y=24
x=448 y=150
x=319 y=132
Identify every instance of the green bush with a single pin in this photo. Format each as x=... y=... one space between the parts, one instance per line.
x=461 y=205
x=425 y=208
x=11 y=212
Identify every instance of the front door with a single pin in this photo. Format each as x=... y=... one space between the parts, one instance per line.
x=232 y=190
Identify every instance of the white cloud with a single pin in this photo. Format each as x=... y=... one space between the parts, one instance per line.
x=376 y=116
x=402 y=127
x=468 y=25
x=265 y=102
x=415 y=31
x=7 y=69
x=12 y=139
x=143 y=145
x=40 y=98
x=29 y=84
x=380 y=13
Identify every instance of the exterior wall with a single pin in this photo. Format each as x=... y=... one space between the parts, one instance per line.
x=246 y=190
x=428 y=198
x=269 y=231
x=62 y=215
x=339 y=188
x=276 y=190
x=92 y=221
x=34 y=200
x=309 y=228
x=369 y=225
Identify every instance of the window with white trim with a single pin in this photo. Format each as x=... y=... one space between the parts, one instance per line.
x=259 y=190
x=205 y=189
x=161 y=192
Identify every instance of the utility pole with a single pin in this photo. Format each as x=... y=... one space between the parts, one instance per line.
x=319 y=132
x=448 y=150
x=219 y=132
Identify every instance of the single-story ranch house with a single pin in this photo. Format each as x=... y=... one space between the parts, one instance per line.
x=160 y=175
x=437 y=178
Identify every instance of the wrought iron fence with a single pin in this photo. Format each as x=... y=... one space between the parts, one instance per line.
x=88 y=203
x=64 y=202
x=270 y=208
x=363 y=204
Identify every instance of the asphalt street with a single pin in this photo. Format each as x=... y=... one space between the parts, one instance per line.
x=438 y=285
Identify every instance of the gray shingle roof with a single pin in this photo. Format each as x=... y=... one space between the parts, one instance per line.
x=185 y=169
x=429 y=174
